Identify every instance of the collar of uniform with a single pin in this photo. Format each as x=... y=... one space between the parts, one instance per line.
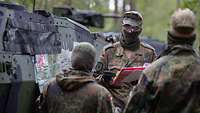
x=79 y=72
x=173 y=50
x=120 y=52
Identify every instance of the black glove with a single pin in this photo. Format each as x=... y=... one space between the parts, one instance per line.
x=108 y=76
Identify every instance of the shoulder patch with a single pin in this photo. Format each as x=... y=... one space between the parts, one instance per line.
x=145 y=45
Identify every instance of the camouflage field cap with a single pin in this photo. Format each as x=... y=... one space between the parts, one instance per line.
x=183 y=21
x=132 y=18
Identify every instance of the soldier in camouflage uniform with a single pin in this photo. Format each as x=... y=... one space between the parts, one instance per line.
x=128 y=52
x=76 y=91
x=172 y=83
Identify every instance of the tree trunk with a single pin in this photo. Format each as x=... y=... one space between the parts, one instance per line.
x=116 y=12
x=116 y=7
x=68 y=2
x=132 y=4
x=124 y=6
x=46 y=5
x=178 y=4
x=39 y=4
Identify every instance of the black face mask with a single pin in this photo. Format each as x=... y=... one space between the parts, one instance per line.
x=130 y=41
x=130 y=37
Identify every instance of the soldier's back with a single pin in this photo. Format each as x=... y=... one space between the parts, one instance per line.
x=76 y=94
x=176 y=80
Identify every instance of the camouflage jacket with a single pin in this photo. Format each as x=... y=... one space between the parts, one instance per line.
x=74 y=92
x=114 y=57
x=170 y=85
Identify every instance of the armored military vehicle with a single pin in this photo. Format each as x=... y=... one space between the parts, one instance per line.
x=25 y=37
x=34 y=46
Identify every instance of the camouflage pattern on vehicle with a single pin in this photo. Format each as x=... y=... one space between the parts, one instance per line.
x=24 y=36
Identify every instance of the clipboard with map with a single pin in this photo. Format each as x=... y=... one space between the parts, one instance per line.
x=128 y=74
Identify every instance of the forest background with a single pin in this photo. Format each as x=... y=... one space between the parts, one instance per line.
x=156 y=13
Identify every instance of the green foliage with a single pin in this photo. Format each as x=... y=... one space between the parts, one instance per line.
x=156 y=15
x=110 y=25
x=192 y=4
x=195 y=6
